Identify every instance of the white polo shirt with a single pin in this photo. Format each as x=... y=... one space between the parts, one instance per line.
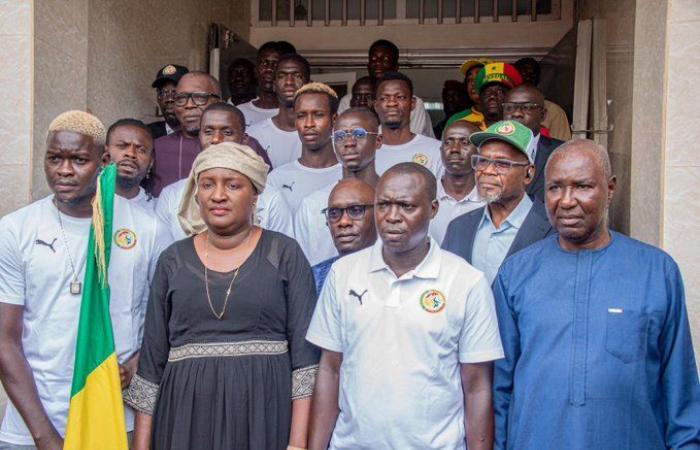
x=254 y=114
x=271 y=212
x=310 y=229
x=35 y=273
x=421 y=149
x=295 y=181
x=282 y=146
x=402 y=341
x=451 y=208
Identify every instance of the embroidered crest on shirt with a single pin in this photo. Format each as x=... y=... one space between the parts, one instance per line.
x=432 y=301
x=352 y=293
x=420 y=158
x=46 y=244
x=125 y=238
x=289 y=186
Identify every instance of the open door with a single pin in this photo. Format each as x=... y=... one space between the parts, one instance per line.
x=224 y=47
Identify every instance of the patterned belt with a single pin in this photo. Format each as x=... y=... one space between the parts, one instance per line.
x=218 y=349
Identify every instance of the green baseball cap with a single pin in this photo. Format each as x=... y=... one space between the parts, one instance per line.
x=509 y=131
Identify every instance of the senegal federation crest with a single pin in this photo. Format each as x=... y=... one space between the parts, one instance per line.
x=432 y=301
x=506 y=129
x=420 y=158
x=125 y=238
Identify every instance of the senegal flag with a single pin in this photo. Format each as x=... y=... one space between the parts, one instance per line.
x=96 y=415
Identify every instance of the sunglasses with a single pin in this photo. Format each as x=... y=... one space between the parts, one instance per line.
x=357 y=133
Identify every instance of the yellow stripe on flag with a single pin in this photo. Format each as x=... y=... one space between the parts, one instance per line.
x=91 y=424
x=494 y=68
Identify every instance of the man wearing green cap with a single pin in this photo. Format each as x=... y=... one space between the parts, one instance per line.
x=511 y=220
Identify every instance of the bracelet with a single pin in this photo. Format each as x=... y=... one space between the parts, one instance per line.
x=291 y=447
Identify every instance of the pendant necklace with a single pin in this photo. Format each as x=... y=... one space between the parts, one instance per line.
x=76 y=287
x=220 y=315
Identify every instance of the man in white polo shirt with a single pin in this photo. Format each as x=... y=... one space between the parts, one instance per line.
x=394 y=103
x=43 y=251
x=408 y=333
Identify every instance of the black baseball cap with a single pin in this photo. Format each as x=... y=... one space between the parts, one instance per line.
x=171 y=72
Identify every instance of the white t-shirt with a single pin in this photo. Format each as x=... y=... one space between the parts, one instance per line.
x=422 y=150
x=310 y=227
x=450 y=209
x=271 y=213
x=35 y=272
x=296 y=181
x=420 y=119
x=402 y=341
x=282 y=147
x=144 y=200
x=254 y=114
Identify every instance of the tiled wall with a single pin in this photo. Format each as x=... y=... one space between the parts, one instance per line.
x=16 y=76
x=681 y=194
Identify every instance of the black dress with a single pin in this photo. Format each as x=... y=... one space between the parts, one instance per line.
x=227 y=384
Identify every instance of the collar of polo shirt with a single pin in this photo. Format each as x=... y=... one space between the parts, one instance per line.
x=428 y=268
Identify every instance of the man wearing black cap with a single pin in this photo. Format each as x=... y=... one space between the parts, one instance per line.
x=165 y=82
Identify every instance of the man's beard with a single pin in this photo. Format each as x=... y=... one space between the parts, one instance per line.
x=392 y=125
x=490 y=197
x=126 y=183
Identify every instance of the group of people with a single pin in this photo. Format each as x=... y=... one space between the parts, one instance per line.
x=294 y=270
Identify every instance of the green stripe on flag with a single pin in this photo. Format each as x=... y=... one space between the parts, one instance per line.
x=95 y=342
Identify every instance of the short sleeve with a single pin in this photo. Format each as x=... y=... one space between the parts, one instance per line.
x=325 y=329
x=279 y=217
x=480 y=340
x=12 y=280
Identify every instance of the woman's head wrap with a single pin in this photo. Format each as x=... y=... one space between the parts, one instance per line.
x=226 y=155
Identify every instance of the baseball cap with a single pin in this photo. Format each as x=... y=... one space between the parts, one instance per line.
x=170 y=72
x=498 y=72
x=468 y=64
x=509 y=131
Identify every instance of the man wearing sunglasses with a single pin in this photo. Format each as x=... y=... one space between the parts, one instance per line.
x=511 y=220
x=350 y=220
x=355 y=141
x=175 y=153
x=525 y=104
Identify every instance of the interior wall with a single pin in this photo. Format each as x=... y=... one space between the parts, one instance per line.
x=16 y=77
x=619 y=17
x=681 y=160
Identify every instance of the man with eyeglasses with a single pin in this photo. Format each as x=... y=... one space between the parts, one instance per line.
x=409 y=335
x=355 y=141
x=175 y=153
x=164 y=84
x=394 y=103
x=350 y=220
x=525 y=104
x=510 y=221
x=278 y=134
x=456 y=189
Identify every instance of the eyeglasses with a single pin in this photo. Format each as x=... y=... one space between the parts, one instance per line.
x=358 y=133
x=355 y=212
x=510 y=107
x=198 y=98
x=502 y=165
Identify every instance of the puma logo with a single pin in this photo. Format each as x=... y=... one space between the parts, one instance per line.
x=44 y=243
x=355 y=294
x=289 y=186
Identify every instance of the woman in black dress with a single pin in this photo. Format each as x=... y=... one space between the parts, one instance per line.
x=224 y=364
